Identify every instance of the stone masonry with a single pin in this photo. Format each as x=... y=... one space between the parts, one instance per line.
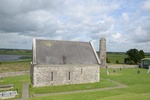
x=102 y=52
x=65 y=74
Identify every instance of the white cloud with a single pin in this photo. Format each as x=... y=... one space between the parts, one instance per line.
x=14 y=40
x=146 y=5
x=126 y=17
x=121 y=22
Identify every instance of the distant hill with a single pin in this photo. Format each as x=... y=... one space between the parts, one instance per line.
x=15 y=51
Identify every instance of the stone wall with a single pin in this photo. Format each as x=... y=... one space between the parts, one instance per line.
x=49 y=75
x=7 y=74
x=123 y=66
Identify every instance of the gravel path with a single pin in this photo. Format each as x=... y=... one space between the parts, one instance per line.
x=25 y=92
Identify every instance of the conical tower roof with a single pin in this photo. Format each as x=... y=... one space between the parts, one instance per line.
x=103 y=39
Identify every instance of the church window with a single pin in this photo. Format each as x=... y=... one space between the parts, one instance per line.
x=69 y=76
x=52 y=76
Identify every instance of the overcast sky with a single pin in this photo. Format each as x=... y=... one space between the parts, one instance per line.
x=124 y=23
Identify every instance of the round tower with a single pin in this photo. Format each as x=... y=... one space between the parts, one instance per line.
x=102 y=52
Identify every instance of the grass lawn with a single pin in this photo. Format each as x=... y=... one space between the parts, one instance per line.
x=138 y=87
x=73 y=87
x=17 y=81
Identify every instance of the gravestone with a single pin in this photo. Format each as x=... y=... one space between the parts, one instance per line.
x=148 y=69
x=138 y=71
x=107 y=73
x=114 y=71
x=8 y=94
x=120 y=68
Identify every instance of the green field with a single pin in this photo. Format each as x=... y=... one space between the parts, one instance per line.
x=120 y=57
x=113 y=57
x=147 y=56
x=138 y=88
x=15 y=52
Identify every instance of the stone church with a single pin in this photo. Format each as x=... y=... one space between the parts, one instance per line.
x=63 y=62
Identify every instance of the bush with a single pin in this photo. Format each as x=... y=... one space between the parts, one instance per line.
x=117 y=62
x=107 y=61
x=132 y=62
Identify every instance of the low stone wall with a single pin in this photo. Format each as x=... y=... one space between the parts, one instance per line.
x=123 y=66
x=7 y=74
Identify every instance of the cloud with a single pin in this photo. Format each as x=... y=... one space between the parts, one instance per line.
x=146 y=5
x=121 y=22
x=16 y=41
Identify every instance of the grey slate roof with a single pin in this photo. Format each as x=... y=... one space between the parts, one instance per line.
x=64 y=52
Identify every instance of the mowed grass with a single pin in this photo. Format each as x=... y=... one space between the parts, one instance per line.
x=138 y=87
x=72 y=87
x=17 y=81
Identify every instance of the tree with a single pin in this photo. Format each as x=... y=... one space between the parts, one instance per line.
x=142 y=54
x=135 y=55
x=107 y=60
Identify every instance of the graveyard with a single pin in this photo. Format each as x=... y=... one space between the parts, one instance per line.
x=135 y=87
x=121 y=84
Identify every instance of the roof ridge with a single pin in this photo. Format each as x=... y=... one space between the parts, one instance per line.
x=61 y=40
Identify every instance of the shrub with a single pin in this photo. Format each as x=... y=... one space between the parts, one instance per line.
x=117 y=62
x=132 y=62
x=107 y=61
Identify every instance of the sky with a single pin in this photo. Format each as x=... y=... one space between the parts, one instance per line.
x=124 y=23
